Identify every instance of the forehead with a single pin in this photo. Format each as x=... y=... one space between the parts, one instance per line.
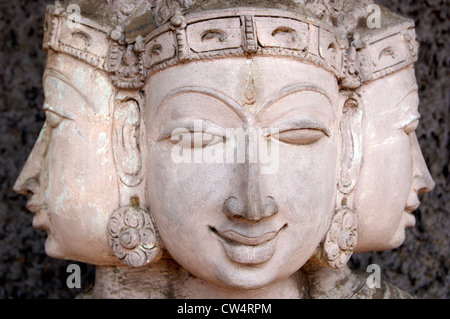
x=261 y=79
x=389 y=105
x=395 y=93
x=65 y=75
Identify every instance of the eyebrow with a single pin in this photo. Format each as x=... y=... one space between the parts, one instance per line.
x=236 y=107
x=187 y=124
x=413 y=89
x=294 y=88
x=51 y=72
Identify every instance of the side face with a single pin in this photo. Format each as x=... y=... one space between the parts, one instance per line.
x=70 y=174
x=234 y=223
x=394 y=171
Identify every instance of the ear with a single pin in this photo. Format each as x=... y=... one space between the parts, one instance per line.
x=126 y=137
x=351 y=133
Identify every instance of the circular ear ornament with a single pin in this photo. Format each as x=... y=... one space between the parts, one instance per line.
x=341 y=238
x=132 y=236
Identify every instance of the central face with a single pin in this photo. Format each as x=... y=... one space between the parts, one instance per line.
x=242 y=223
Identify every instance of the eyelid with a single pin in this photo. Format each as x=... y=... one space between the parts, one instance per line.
x=297 y=124
x=412 y=126
x=199 y=139
x=190 y=125
x=300 y=137
x=48 y=108
x=412 y=118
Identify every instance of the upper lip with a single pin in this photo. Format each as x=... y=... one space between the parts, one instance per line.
x=411 y=208
x=35 y=207
x=247 y=240
x=39 y=209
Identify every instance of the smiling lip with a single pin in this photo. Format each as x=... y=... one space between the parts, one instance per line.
x=410 y=218
x=237 y=238
x=248 y=241
x=35 y=207
x=410 y=209
x=248 y=250
x=41 y=218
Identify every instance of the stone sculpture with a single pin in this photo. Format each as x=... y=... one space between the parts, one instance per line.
x=159 y=114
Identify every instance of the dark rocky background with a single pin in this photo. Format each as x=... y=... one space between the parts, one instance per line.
x=420 y=266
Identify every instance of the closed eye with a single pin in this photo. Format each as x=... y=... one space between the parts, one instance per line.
x=411 y=127
x=299 y=136
x=196 y=139
x=298 y=131
x=190 y=133
x=53 y=119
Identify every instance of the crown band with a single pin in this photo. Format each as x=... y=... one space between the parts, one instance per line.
x=82 y=39
x=383 y=52
x=241 y=32
x=231 y=33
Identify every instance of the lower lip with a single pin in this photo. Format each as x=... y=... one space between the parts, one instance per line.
x=410 y=220
x=245 y=254
x=40 y=221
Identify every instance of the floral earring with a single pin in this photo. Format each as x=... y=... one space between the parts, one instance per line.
x=341 y=238
x=132 y=236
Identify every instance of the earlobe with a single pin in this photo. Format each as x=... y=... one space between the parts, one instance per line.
x=351 y=139
x=131 y=231
x=342 y=236
x=126 y=138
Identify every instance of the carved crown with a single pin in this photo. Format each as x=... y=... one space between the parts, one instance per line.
x=241 y=32
x=385 y=50
x=101 y=46
x=183 y=31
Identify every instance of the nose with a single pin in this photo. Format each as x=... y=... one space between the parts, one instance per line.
x=28 y=186
x=422 y=180
x=251 y=204
x=29 y=179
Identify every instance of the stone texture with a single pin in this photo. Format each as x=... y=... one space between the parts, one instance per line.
x=420 y=266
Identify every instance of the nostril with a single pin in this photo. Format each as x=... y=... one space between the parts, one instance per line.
x=232 y=208
x=235 y=208
x=424 y=190
x=29 y=187
x=423 y=185
x=271 y=207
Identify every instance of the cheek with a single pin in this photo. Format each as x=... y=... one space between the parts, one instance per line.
x=385 y=182
x=307 y=176
x=184 y=198
x=305 y=192
x=81 y=190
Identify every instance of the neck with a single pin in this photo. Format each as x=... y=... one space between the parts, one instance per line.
x=167 y=280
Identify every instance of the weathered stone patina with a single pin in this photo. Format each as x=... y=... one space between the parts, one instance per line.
x=159 y=113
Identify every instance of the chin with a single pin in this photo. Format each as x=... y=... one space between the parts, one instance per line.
x=52 y=249
x=248 y=279
x=251 y=277
x=398 y=239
